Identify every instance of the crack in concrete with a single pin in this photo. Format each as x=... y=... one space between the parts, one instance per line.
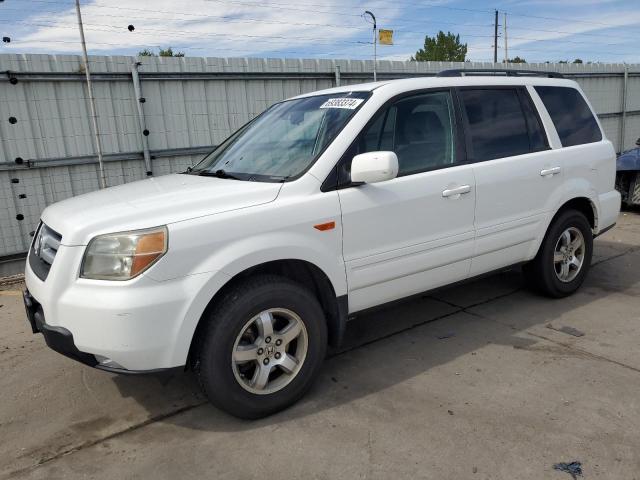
x=585 y=353
x=91 y=443
x=477 y=304
x=572 y=348
x=618 y=255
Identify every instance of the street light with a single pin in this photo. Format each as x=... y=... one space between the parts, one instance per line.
x=375 y=41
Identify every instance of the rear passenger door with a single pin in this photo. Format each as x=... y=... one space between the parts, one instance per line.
x=515 y=171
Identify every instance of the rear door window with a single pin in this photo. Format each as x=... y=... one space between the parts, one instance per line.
x=496 y=123
x=571 y=115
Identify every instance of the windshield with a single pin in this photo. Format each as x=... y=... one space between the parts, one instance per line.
x=283 y=141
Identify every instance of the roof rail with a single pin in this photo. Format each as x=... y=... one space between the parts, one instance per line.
x=461 y=72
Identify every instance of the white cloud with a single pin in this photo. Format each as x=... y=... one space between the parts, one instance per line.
x=212 y=28
x=319 y=28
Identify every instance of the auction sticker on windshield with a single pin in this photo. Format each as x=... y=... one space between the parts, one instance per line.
x=348 y=103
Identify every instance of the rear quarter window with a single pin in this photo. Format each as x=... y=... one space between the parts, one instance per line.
x=571 y=115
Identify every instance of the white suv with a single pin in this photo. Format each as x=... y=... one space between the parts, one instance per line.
x=245 y=267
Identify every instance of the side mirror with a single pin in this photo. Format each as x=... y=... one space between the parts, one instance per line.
x=638 y=142
x=373 y=167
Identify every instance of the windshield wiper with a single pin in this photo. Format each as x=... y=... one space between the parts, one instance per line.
x=219 y=174
x=279 y=178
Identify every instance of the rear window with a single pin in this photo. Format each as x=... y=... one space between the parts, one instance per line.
x=571 y=115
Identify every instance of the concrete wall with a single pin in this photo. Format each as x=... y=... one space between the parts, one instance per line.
x=190 y=105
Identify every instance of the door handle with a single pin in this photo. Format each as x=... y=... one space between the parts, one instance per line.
x=452 y=192
x=549 y=171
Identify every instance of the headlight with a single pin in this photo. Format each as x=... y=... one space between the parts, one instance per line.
x=124 y=255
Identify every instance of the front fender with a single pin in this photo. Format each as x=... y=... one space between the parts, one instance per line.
x=237 y=257
x=217 y=249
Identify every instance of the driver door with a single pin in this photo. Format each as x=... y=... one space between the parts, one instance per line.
x=414 y=232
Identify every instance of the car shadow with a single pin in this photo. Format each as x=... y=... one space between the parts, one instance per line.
x=630 y=208
x=396 y=343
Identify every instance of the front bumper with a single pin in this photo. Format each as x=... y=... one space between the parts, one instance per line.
x=60 y=339
x=139 y=325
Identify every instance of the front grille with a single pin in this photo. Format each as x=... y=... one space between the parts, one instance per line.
x=43 y=250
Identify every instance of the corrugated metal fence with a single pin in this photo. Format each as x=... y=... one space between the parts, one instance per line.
x=188 y=105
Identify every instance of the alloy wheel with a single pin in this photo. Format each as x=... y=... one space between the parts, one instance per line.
x=269 y=351
x=568 y=255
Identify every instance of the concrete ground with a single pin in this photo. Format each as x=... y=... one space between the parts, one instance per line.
x=472 y=382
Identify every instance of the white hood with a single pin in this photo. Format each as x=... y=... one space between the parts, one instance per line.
x=152 y=202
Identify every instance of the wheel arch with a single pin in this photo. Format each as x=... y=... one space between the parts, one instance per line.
x=582 y=204
x=300 y=271
x=537 y=271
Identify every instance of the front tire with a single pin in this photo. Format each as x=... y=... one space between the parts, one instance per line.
x=564 y=258
x=262 y=347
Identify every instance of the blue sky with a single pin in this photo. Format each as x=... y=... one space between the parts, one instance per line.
x=538 y=30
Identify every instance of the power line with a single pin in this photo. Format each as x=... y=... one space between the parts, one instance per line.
x=279 y=5
x=553 y=51
x=232 y=19
x=247 y=51
x=182 y=32
x=573 y=20
x=598 y=35
x=226 y=18
x=295 y=7
x=185 y=33
x=248 y=20
x=261 y=21
x=530 y=39
x=279 y=39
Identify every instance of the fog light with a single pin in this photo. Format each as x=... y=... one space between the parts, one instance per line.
x=107 y=362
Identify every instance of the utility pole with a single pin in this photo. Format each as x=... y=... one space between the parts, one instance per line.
x=375 y=42
x=495 y=39
x=506 y=45
x=92 y=100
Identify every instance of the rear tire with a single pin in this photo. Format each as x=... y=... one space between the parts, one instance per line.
x=262 y=347
x=564 y=258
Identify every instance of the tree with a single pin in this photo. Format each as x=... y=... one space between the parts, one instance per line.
x=168 y=52
x=516 y=60
x=442 y=48
x=577 y=60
